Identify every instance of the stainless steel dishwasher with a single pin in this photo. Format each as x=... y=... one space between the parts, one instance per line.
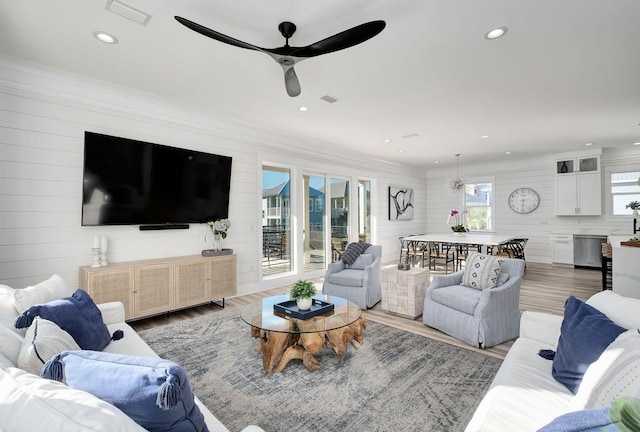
x=587 y=250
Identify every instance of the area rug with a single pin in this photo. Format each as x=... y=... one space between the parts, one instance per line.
x=396 y=381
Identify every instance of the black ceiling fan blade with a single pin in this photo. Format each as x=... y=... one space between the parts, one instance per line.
x=291 y=82
x=216 y=35
x=342 y=40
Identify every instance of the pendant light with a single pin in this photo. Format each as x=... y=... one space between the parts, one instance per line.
x=456 y=184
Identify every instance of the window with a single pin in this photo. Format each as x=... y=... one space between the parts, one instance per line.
x=478 y=202
x=624 y=189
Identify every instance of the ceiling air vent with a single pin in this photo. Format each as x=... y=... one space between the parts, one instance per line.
x=329 y=98
x=124 y=10
x=413 y=135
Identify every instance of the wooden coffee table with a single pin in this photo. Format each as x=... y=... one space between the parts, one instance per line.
x=284 y=338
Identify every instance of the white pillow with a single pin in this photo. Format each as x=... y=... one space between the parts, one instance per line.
x=6 y=297
x=481 y=271
x=43 y=340
x=616 y=373
x=53 y=288
x=30 y=403
x=10 y=337
x=5 y=361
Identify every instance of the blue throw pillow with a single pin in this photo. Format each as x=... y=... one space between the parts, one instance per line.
x=153 y=392
x=78 y=315
x=585 y=334
x=595 y=420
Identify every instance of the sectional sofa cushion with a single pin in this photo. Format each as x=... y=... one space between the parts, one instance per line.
x=51 y=289
x=43 y=340
x=154 y=392
x=77 y=315
x=30 y=403
x=481 y=271
x=585 y=333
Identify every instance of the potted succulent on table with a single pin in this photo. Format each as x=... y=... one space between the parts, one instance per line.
x=302 y=292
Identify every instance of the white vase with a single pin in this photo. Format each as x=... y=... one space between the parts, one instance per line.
x=635 y=214
x=459 y=234
x=304 y=303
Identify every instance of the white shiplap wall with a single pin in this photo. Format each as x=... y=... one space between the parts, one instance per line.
x=43 y=116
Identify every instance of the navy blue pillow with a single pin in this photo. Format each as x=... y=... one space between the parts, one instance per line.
x=353 y=251
x=78 y=315
x=585 y=334
x=154 y=392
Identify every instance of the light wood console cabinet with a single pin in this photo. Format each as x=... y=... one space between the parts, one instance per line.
x=151 y=287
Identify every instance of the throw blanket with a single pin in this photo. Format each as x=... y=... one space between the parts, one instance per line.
x=353 y=251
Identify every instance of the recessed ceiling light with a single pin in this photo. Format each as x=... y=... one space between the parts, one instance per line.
x=387 y=140
x=589 y=144
x=105 y=37
x=507 y=152
x=303 y=108
x=484 y=136
x=436 y=162
x=638 y=143
x=401 y=151
x=495 y=33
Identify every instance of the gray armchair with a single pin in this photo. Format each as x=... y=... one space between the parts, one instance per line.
x=482 y=318
x=361 y=286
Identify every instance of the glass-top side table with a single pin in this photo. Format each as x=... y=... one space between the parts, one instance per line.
x=283 y=338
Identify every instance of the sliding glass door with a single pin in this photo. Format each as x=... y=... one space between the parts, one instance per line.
x=314 y=223
x=276 y=220
x=339 y=205
x=307 y=220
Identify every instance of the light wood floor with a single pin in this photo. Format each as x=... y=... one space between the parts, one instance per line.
x=544 y=289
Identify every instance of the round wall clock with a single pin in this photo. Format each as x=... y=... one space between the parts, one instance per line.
x=524 y=200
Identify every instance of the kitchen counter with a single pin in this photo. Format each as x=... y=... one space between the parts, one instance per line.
x=626 y=267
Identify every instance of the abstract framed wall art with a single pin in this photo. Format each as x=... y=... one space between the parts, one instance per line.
x=400 y=203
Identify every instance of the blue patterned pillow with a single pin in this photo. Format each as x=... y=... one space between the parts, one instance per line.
x=153 y=392
x=78 y=315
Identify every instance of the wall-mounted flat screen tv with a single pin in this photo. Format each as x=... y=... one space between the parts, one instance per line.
x=129 y=182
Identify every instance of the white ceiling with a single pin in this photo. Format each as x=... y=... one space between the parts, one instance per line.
x=566 y=73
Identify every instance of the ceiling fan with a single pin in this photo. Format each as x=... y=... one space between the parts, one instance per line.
x=287 y=56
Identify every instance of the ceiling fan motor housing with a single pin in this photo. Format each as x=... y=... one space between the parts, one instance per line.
x=287 y=29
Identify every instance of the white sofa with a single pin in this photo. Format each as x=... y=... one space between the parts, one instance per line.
x=28 y=402
x=524 y=396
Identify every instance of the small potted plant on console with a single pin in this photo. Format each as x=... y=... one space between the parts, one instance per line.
x=302 y=292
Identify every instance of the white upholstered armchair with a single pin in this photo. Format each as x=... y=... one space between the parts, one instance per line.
x=479 y=317
x=360 y=282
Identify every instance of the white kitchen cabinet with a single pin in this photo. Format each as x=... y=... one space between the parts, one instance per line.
x=562 y=248
x=578 y=186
